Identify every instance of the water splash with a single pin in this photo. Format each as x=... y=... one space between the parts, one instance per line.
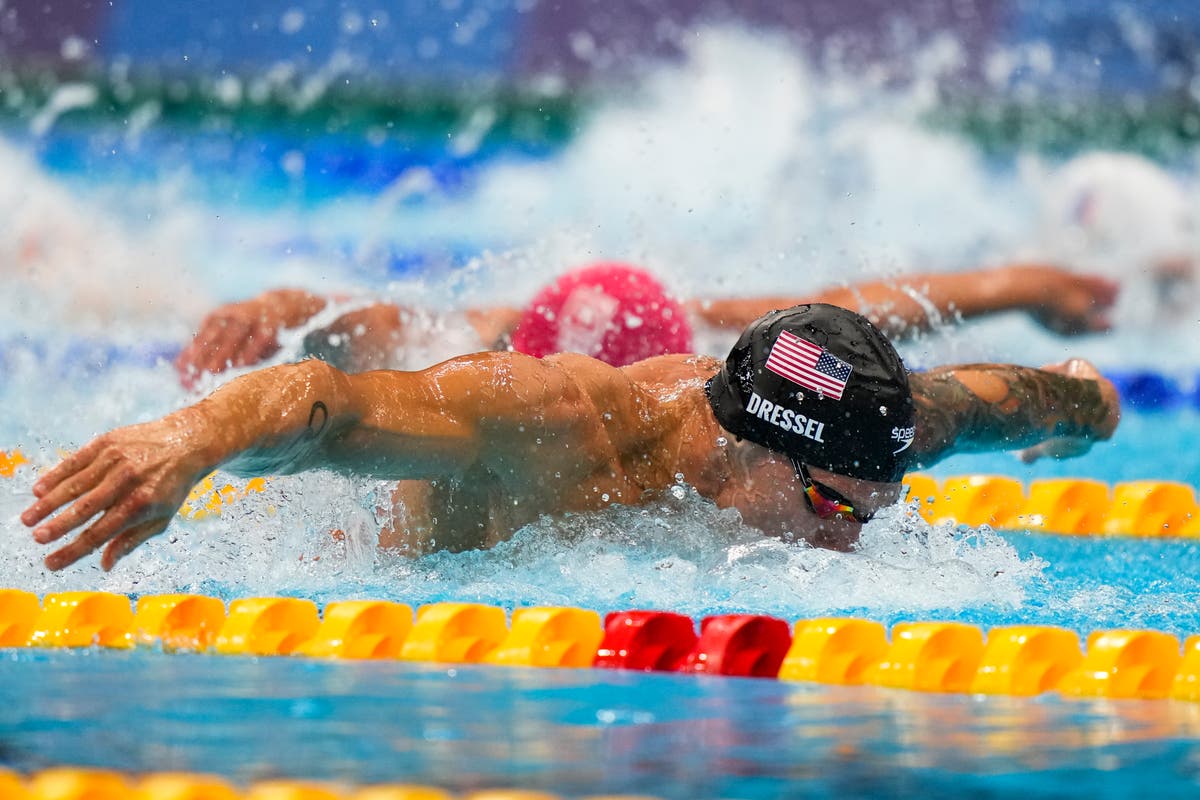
x=680 y=554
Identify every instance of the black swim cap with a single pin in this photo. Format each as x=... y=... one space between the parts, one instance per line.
x=822 y=385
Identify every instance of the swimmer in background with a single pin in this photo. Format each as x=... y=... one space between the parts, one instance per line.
x=1123 y=216
x=621 y=314
x=806 y=428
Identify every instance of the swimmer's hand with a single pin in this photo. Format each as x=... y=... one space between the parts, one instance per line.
x=1065 y=302
x=241 y=334
x=1071 y=446
x=135 y=478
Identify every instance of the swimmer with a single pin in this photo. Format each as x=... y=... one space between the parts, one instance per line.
x=621 y=314
x=806 y=428
x=1124 y=216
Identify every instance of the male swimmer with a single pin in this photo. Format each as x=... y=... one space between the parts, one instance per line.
x=806 y=429
x=621 y=314
x=1124 y=216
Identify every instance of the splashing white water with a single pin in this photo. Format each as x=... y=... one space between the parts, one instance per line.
x=680 y=553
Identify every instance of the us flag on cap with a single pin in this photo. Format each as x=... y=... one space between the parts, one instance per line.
x=809 y=365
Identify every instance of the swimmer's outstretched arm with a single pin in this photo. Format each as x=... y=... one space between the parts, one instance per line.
x=1060 y=300
x=493 y=408
x=1059 y=410
x=241 y=334
x=367 y=338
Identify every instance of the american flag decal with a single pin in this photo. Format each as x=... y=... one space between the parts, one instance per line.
x=808 y=365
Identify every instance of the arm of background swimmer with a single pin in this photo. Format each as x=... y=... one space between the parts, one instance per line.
x=1060 y=300
x=977 y=407
x=366 y=338
x=494 y=324
x=245 y=333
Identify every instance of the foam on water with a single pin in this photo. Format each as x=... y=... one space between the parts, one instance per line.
x=744 y=170
x=679 y=553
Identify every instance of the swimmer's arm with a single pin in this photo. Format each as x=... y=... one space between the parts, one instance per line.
x=1059 y=300
x=136 y=478
x=241 y=334
x=491 y=409
x=494 y=324
x=367 y=338
x=1059 y=410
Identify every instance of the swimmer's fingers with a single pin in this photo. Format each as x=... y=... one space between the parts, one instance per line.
x=103 y=497
x=126 y=542
x=193 y=353
x=260 y=342
x=189 y=362
x=214 y=346
x=126 y=514
x=223 y=345
x=73 y=463
x=1100 y=323
x=70 y=488
x=1079 y=304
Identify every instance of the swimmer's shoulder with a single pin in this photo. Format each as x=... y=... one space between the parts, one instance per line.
x=673 y=369
x=655 y=376
x=659 y=369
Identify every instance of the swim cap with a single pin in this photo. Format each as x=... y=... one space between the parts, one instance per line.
x=613 y=312
x=823 y=386
x=1117 y=206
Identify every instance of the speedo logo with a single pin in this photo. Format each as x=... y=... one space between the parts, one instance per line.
x=785 y=418
x=903 y=437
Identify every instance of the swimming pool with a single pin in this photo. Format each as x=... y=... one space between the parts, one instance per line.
x=579 y=732
x=575 y=732
x=452 y=232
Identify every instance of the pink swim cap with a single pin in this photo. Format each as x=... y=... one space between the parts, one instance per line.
x=613 y=312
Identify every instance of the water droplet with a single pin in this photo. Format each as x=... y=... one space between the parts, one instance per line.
x=722 y=441
x=604 y=497
x=678 y=492
x=883 y=410
x=679 y=477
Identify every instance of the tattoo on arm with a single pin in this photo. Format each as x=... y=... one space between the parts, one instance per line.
x=1000 y=407
x=318 y=409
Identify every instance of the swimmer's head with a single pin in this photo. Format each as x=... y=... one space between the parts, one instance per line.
x=1120 y=208
x=822 y=386
x=613 y=312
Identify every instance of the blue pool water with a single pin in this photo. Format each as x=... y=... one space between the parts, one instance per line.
x=577 y=732
x=806 y=182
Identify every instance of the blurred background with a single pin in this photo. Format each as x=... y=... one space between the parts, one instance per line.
x=211 y=149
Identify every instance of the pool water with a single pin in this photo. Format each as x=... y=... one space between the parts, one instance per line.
x=822 y=180
x=576 y=732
